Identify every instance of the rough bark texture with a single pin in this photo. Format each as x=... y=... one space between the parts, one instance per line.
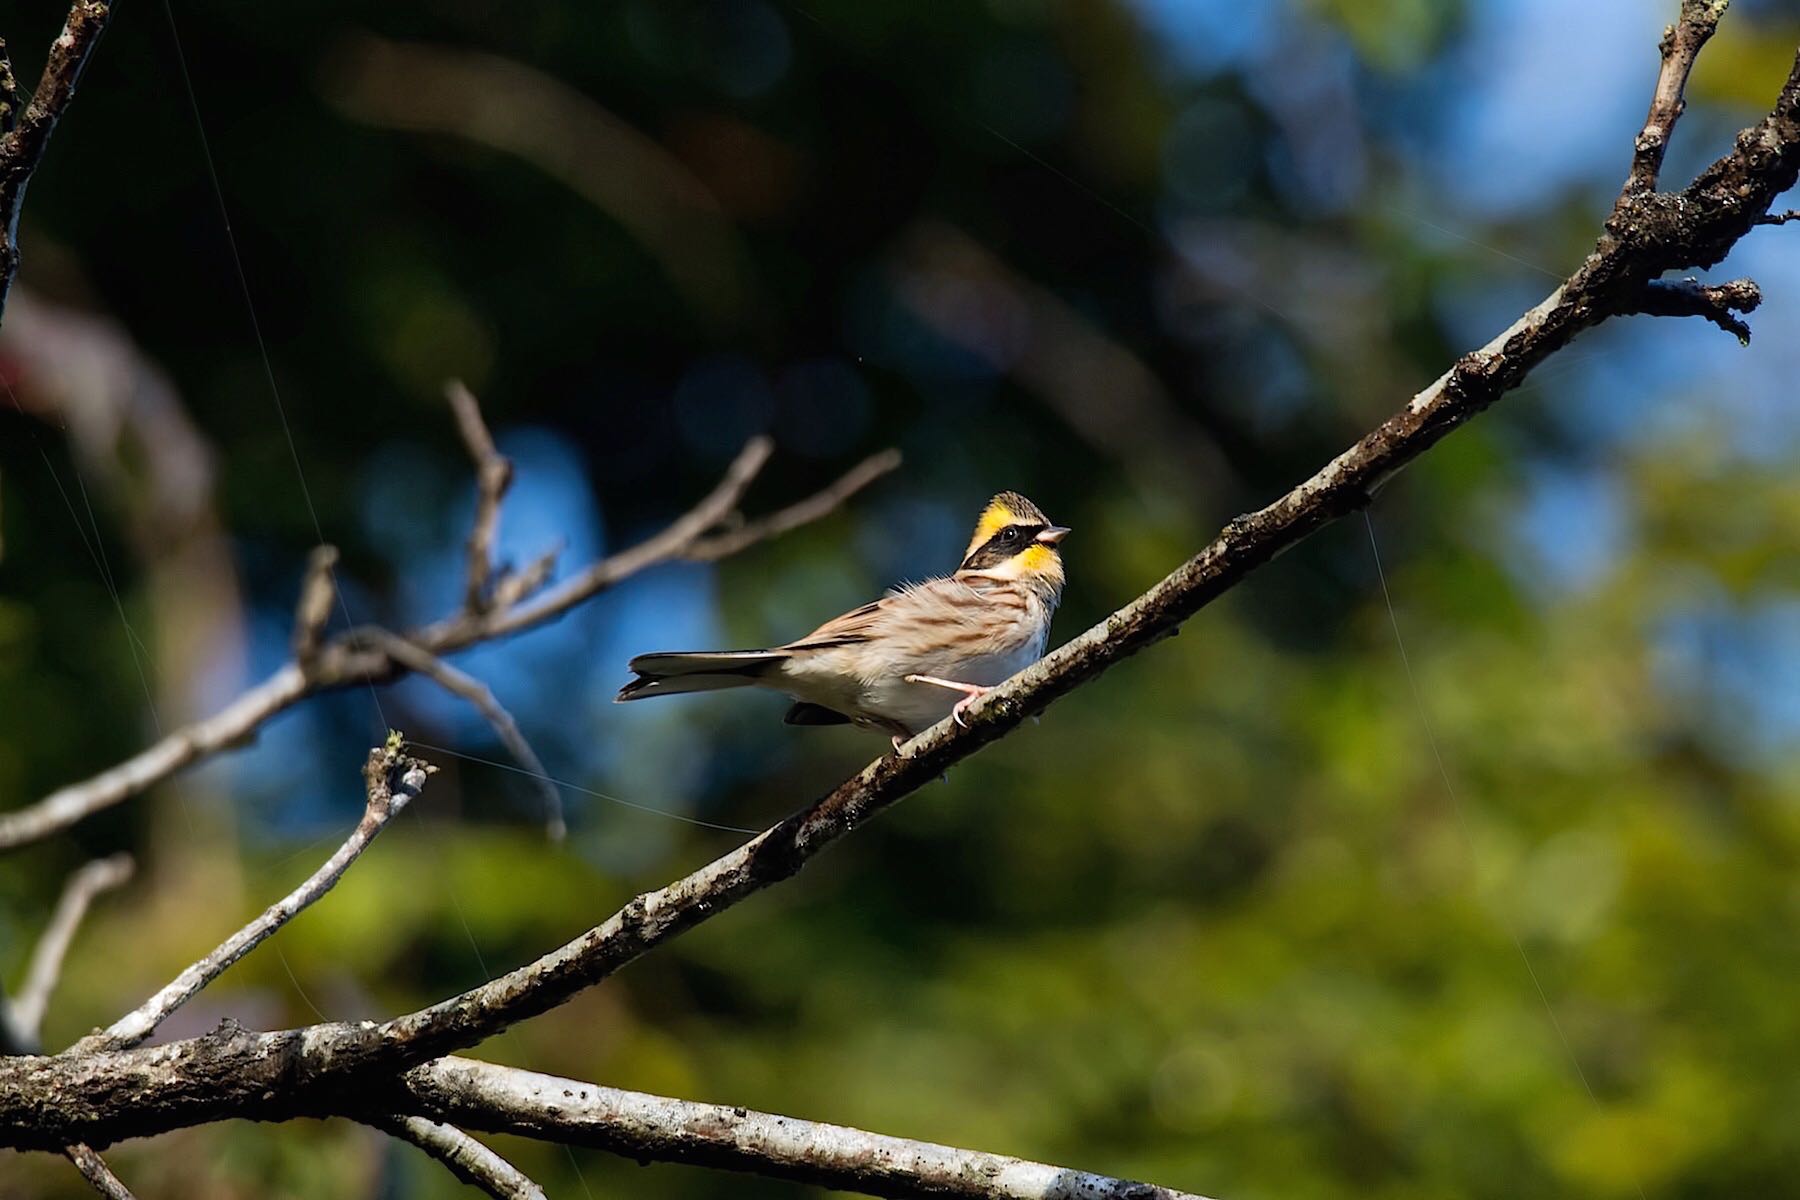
x=25 y=129
x=506 y=1100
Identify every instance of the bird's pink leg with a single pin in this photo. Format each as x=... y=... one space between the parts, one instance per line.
x=971 y=693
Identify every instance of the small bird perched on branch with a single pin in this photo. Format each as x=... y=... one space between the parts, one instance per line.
x=920 y=653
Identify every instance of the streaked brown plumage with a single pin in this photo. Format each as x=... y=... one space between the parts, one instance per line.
x=921 y=653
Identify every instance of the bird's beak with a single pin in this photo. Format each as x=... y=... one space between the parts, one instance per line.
x=1052 y=534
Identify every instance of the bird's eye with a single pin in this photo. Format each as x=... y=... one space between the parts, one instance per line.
x=1010 y=534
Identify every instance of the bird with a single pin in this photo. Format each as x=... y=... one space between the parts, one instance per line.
x=922 y=652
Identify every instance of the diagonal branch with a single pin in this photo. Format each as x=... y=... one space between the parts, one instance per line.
x=659 y=1129
x=391 y=780
x=468 y=1159
x=93 y=1168
x=815 y=507
x=22 y=1019
x=27 y=131
x=1681 y=44
x=340 y=662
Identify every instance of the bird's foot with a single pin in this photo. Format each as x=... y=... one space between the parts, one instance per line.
x=897 y=740
x=971 y=693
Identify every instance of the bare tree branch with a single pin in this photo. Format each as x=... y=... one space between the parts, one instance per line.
x=11 y=99
x=1717 y=302
x=468 y=1159
x=493 y=475
x=312 y=612
x=93 y=1168
x=340 y=662
x=1781 y=218
x=22 y=1020
x=1681 y=44
x=657 y=1128
x=732 y=541
x=391 y=780
x=27 y=131
x=458 y=683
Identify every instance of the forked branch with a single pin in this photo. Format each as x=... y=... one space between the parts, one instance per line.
x=391 y=780
x=517 y=602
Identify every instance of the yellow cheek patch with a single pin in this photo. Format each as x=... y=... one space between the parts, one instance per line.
x=1035 y=559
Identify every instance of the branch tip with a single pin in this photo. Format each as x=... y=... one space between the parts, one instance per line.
x=493 y=477
x=1717 y=302
x=318 y=589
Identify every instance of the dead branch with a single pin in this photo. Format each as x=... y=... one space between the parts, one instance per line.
x=22 y=1020
x=1681 y=43
x=520 y=604
x=28 y=129
x=93 y=1168
x=815 y=507
x=660 y=1129
x=468 y=1159
x=1717 y=302
x=312 y=612
x=391 y=780
x=493 y=475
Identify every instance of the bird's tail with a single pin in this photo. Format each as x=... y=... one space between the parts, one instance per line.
x=670 y=674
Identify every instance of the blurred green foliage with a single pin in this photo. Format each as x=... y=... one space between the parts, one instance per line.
x=1233 y=918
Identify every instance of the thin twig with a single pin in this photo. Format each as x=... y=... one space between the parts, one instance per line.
x=339 y=663
x=650 y=1128
x=1781 y=218
x=493 y=475
x=313 y=610
x=672 y=543
x=22 y=1020
x=93 y=1168
x=459 y=683
x=26 y=138
x=468 y=1159
x=1681 y=43
x=391 y=780
x=732 y=541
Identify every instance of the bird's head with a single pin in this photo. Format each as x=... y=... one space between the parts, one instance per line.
x=1013 y=539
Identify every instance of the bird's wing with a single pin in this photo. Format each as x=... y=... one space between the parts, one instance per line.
x=857 y=625
x=949 y=606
